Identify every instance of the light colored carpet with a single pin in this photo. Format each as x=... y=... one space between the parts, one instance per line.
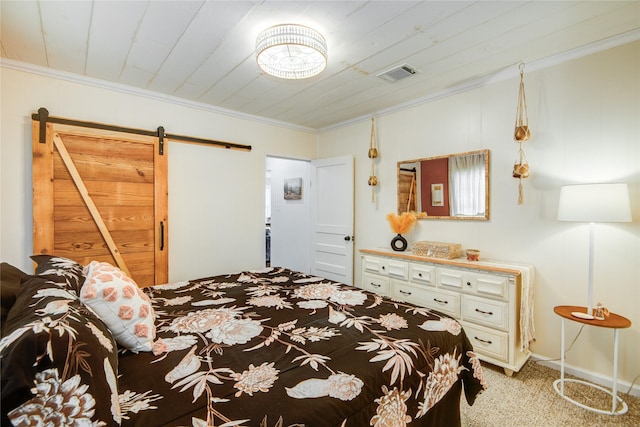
x=529 y=399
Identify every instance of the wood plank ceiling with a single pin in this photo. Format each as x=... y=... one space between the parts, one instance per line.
x=203 y=51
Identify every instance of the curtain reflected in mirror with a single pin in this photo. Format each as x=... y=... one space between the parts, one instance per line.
x=466 y=185
x=454 y=186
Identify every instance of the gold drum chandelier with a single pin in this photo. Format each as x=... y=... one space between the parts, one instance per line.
x=291 y=51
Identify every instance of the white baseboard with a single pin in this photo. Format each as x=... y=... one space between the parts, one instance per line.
x=603 y=380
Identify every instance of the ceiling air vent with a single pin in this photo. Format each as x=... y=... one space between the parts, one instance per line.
x=397 y=73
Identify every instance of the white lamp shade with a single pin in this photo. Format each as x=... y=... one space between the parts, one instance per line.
x=594 y=203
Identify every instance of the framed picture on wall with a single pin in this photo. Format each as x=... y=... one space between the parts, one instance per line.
x=293 y=189
x=436 y=195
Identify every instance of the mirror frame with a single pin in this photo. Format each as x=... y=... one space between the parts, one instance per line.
x=449 y=217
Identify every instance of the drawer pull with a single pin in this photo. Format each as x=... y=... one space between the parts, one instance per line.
x=483 y=341
x=468 y=283
x=419 y=274
x=383 y=267
x=490 y=313
x=404 y=292
x=441 y=301
x=375 y=284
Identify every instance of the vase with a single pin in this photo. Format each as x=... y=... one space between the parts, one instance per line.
x=399 y=243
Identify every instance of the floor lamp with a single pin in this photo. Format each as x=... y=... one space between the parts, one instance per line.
x=593 y=203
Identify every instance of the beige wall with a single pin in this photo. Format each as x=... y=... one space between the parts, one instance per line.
x=585 y=119
x=216 y=196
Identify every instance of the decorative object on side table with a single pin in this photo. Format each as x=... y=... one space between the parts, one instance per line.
x=400 y=224
x=600 y=312
x=593 y=203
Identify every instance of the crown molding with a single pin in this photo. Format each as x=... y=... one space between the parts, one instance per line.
x=130 y=90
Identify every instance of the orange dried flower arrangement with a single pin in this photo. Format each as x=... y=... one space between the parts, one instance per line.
x=401 y=223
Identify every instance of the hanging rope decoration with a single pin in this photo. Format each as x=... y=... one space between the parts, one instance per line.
x=372 y=154
x=521 y=134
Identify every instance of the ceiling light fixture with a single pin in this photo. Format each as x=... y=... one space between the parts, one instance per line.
x=290 y=51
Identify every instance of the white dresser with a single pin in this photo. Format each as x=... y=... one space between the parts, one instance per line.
x=485 y=297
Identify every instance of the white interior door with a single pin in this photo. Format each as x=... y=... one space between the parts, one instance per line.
x=332 y=189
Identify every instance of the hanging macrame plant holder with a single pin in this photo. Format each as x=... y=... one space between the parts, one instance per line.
x=372 y=154
x=521 y=171
x=521 y=134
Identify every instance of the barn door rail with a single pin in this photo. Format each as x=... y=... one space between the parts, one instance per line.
x=43 y=117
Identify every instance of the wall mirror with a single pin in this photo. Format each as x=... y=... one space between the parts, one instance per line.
x=452 y=186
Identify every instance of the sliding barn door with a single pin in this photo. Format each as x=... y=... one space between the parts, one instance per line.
x=101 y=195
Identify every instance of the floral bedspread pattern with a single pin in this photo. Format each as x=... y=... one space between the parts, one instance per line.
x=280 y=348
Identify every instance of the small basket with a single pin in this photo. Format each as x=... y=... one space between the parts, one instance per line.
x=437 y=249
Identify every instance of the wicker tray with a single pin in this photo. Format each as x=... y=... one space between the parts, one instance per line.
x=437 y=249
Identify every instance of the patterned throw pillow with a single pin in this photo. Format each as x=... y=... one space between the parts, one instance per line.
x=60 y=270
x=121 y=305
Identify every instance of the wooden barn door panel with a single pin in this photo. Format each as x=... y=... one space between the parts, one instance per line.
x=407 y=194
x=102 y=195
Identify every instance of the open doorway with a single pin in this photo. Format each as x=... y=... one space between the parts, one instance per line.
x=287 y=213
x=267 y=218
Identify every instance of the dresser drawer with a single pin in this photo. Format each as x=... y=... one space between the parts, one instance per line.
x=422 y=274
x=489 y=342
x=375 y=283
x=476 y=283
x=454 y=279
x=397 y=269
x=447 y=303
x=373 y=264
x=495 y=286
x=485 y=311
x=386 y=267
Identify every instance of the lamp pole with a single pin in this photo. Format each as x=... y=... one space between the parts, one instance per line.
x=592 y=230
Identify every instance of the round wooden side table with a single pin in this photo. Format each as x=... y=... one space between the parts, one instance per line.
x=613 y=321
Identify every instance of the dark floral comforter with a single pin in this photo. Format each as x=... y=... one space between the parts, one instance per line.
x=281 y=348
x=269 y=348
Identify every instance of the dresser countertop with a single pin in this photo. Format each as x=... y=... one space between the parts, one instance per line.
x=486 y=265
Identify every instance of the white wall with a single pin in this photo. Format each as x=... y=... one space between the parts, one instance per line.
x=216 y=196
x=290 y=220
x=585 y=120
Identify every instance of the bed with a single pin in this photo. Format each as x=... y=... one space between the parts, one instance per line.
x=81 y=346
